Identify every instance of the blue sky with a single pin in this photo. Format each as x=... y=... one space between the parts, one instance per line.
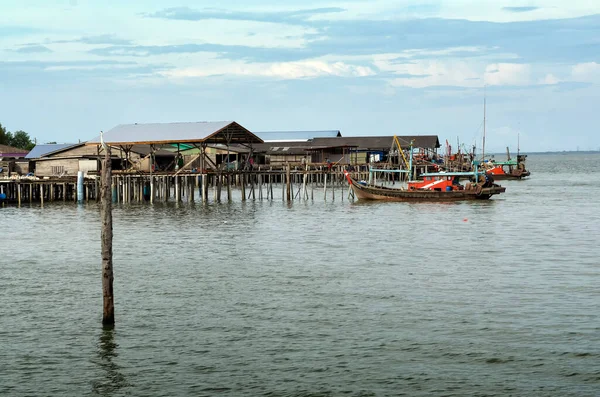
x=70 y=68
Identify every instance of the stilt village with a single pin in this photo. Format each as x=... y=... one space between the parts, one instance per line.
x=205 y=161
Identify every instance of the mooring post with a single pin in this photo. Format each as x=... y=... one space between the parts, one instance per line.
x=108 y=313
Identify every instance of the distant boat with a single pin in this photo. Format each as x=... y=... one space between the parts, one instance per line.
x=513 y=170
x=509 y=169
x=505 y=170
x=432 y=187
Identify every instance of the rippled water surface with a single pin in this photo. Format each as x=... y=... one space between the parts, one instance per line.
x=313 y=298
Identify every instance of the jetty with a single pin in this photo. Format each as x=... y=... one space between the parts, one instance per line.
x=210 y=161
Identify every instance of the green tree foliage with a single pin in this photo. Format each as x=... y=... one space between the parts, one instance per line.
x=4 y=136
x=20 y=139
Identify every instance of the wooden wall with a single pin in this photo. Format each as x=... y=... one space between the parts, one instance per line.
x=57 y=167
x=22 y=167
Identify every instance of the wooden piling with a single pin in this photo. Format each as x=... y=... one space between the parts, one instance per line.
x=204 y=188
x=243 y=186
x=288 y=182
x=108 y=313
x=228 y=187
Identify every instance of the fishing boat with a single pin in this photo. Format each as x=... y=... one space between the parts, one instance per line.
x=507 y=170
x=510 y=169
x=497 y=170
x=439 y=186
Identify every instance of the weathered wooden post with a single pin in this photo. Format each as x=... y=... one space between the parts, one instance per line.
x=288 y=183
x=108 y=313
x=243 y=185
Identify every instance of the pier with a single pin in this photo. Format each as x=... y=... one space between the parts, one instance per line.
x=268 y=183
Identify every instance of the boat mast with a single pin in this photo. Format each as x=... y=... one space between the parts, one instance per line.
x=483 y=143
x=518 y=144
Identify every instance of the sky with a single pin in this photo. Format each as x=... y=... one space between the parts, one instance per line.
x=72 y=68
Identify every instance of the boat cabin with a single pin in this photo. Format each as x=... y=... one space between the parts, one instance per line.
x=440 y=183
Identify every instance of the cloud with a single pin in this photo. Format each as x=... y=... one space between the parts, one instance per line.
x=512 y=74
x=290 y=17
x=95 y=40
x=50 y=64
x=7 y=30
x=550 y=79
x=32 y=49
x=37 y=71
x=586 y=72
x=284 y=70
x=104 y=39
x=430 y=73
x=231 y=52
x=572 y=40
x=520 y=9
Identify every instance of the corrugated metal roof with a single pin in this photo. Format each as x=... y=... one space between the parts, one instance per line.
x=9 y=151
x=380 y=142
x=166 y=133
x=361 y=143
x=280 y=136
x=42 y=150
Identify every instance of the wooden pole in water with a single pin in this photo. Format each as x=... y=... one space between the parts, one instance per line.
x=108 y=313
x=228 y=176
x=288 y=183
x=243 y=185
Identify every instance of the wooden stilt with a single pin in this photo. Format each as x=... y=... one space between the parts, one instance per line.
x=243 y=186
x=228 y=187
x=192 y=188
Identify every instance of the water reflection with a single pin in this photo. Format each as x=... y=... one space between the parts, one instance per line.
x=107 y=350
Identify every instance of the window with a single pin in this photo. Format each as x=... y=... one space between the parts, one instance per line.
x=58 y=169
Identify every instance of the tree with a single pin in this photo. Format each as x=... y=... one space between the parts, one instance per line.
x=20 y=139
x=4 y=136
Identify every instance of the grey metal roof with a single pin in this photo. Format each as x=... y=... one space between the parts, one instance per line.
x=273 y=136
x=164 y=133
x=383 y=143
x=360 y=143
x=42 y=150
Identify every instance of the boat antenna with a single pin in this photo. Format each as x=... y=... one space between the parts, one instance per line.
x=518 y=144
